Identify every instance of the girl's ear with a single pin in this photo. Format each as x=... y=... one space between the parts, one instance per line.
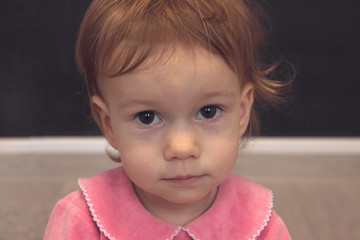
x=246 y=102
x=103 y=111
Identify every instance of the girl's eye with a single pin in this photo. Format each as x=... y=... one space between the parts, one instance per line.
x=147 y=118
x=209 y=112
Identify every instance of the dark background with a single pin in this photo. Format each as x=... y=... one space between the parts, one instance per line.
x=42 y=94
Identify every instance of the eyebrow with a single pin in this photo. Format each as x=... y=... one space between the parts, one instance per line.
x=149 y=102
x=226 y=94
x=135 y=102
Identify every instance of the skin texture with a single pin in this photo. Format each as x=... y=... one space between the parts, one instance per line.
x=195 y=112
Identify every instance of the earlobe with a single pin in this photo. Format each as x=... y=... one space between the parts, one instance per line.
x=103 y=111
x=246 y=102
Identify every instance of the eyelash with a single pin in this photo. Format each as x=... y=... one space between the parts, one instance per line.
x=154 y=119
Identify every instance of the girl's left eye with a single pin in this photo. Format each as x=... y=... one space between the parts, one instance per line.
x=209 y=112
x=147 y=118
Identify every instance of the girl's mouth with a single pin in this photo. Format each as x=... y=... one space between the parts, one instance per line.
x=184 y=180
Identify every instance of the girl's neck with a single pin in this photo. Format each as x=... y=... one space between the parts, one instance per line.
x=178 y=214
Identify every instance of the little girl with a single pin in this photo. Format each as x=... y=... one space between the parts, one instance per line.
x=172 y=85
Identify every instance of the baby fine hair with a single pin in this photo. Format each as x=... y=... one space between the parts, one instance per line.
x=117 y=36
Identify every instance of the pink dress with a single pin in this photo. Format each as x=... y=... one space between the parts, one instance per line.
x=107 y=208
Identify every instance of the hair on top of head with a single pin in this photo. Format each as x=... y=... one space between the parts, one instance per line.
x=117 y=36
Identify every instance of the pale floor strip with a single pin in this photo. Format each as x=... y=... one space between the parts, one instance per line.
x=261 y=145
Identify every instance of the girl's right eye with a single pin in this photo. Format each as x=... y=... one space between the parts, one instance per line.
x=147 y=118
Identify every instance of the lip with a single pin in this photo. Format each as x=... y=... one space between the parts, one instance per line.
x=184 y=180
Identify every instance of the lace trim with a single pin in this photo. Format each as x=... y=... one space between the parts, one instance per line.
x=267 y=218
x=175 y=233
x=93 y=213
x=185 y=230
x=190 y=234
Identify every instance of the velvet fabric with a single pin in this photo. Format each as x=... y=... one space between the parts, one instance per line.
x=107 y=207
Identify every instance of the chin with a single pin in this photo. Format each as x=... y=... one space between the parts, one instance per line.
x=186 y=198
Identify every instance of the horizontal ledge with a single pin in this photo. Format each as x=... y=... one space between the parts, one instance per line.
x=304 y=146
x=261 y=145
x=52 y=145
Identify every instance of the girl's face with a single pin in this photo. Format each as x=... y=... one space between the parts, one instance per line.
x=176 y=125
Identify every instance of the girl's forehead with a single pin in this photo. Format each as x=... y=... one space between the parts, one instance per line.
x=178 y=58
x=174 y=61
x=179 y=77
x=177 y=67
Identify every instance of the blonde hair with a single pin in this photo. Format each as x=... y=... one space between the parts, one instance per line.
x=117 y=36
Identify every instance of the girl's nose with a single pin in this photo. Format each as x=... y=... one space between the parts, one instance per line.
x=182 y=144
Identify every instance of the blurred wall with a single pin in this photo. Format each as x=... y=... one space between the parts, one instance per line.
x=42 y=94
